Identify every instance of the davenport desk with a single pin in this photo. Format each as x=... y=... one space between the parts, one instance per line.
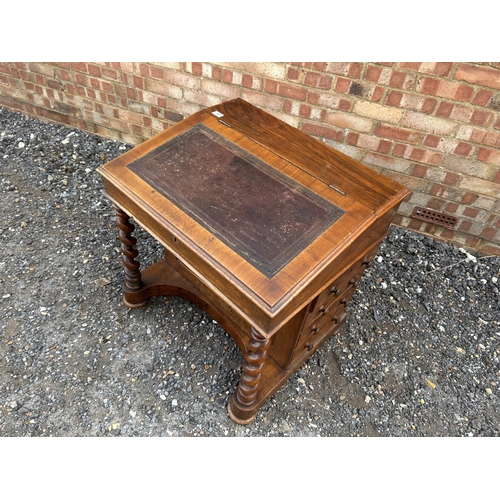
x=265 y=228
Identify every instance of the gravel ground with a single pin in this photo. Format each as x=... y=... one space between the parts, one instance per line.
x=419 y=355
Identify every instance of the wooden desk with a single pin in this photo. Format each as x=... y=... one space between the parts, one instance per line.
x=265 y=228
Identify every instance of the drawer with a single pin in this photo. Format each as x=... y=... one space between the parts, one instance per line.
x=323 y=325
x=327 y=299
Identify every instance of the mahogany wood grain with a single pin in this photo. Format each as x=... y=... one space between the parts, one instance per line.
x=278 y=285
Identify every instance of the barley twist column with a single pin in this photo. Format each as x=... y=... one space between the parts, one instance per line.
x=243 y=405
x=132 y=282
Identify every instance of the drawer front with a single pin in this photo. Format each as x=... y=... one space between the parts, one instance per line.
x=323 y=325
x=328 y=298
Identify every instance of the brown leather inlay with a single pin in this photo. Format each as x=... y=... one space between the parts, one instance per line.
x=263 y=215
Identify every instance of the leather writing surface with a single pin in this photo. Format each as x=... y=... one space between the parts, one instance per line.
x=263 y=215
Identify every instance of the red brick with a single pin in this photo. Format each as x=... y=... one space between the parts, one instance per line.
x=417 y=154
x=292 y=92
x=384 y=146
x=293 y=74
x=94 y=70
x=110 y=73
x=397 y=133
x=197 y=68
x=79 y=66
x=317 y=80
x=445 y=109
x=429 y=86
x=451 y=178
x=488 y=233
x=95 y=83
x=397 y=79
x=419 y=170
x=482 y=98
x=344 y=105
x=479 y=75
x=287 y=106
x=469 y=198
x=5 y=69
x=156 y=72
x=451 y=208
x=464 y=93
x=482 y=118
x=400 y=149
x=227 y=76
x=216 y=72
x=394 y=98
x=144 y=69
x=305 y=111
x=484 y=154
x=313 y=97
x=470 y=212
x=484 y=137
x=271 y=86
x=138 y=82
x=352 y=138
x=436 y=190
x=429 y=105
x=342 y=85
x=497 y=177
x=320 y=66
x=322 y=131
x=373 y=74
x=53 y=84
x=377 y=94
x=355 y=70
x=463 y=149
x=247 y=81
x=442 y=69
x=431 y=141
x=106 y=86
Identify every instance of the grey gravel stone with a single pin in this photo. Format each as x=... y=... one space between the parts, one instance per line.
x=418 y=356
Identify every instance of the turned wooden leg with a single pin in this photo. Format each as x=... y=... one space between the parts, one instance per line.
x=243 y=405
x=132 y=283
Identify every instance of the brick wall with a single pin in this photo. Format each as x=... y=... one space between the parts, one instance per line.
x=435 y=127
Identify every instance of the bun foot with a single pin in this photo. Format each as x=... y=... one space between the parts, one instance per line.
x=249 y=415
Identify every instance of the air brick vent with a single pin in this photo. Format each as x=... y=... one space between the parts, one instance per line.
x=434 y=217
